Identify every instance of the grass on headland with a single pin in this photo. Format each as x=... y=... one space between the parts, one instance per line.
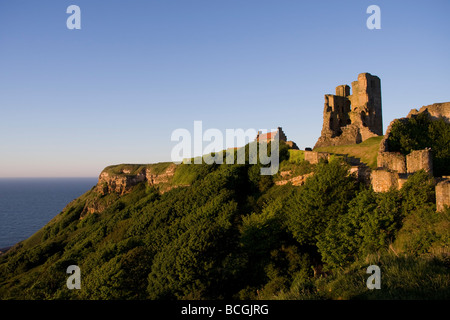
x=367 y=150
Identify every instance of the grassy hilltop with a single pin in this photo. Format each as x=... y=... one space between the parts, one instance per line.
x=366 y=151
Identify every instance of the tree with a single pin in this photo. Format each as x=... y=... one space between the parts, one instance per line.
x=323 y=198
x=418 y=191
x=370 y=224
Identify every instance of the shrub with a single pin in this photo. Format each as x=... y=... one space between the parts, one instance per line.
x=323 y=198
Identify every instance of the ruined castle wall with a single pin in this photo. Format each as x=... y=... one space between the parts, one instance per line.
x=343 y=90
x=361 y=172
x=350 y=135
x=350 y=119
x=394 y=161
x=366 y=133
x=336 y=109
x=314 y=157
x=383 y=180
x=420 y=159
x=401 y=165
x=442 y=194
x=281 y=135
x=366 y=103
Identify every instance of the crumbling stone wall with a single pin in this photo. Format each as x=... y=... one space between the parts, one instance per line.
x=402 y=166
x=314 y=157
x=420 y=159
x=361 y=172
x=366 y=103
x=383 y=180
x=392 y=160
x=442 y=194
x=281 y=134
x=350 y=119
x=336 y=114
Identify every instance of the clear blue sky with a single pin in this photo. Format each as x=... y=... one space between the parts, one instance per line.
x=75 y=101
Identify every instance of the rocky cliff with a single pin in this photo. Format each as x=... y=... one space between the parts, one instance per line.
x=435 y=111
x=118 y=180
x=121 y=179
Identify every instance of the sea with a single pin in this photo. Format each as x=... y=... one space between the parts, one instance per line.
x=28 y=204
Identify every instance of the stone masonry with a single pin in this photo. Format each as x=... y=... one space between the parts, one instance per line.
x=393 y=161
x=352 y=118
x=420 y=159
x=398 y=167
x=314 y=157
x=413 y=162
x=383 y=180
x=442 y=194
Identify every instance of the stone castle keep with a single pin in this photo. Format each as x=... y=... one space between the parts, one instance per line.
x=352 y=118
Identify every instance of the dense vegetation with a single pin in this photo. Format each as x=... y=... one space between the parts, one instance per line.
x=420 y=132
x=235 y=234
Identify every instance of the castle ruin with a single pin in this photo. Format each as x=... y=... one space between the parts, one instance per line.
x=352 y=118
x=394 y=168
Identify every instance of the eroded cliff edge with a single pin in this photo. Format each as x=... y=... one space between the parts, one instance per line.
x=118 y=180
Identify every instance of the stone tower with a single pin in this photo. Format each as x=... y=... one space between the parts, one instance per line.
x=366 y=103
x=352 y=118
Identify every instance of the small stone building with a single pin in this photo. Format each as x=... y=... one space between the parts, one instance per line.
x=270 y=136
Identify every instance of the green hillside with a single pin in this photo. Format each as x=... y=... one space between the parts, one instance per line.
x=366 y=151
x=233 y=233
